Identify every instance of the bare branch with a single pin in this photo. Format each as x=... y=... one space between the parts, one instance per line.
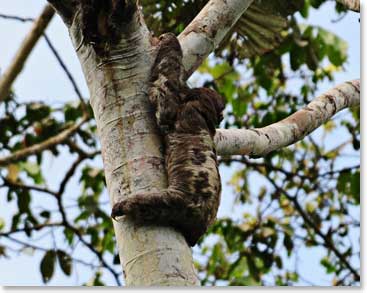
x=37 y=148
x=35 y=247
x=71 y=171
x=27 y=229
x=328 y=243
x=15 y=17
x=261 y=141
x=208 y=29
x=39 y=26
x=8 y=183
x=77 y=232
x=353 y=5
x=67 y=72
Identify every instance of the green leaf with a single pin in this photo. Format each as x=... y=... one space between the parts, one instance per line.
x=2 y=224
x=288 y=243
x=23 y=200
x=355 y=186
x=45 y=214
x=72 y=113
x=330 y=268
x=305 y=9
x=65 y=262
x=3 y=251
x=69 y=235
x=15 y=221
x=37 y=111
x=33 y=170
x=82 y=216
x=47 y=266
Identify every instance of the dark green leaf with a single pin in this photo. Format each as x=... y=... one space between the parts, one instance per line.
x=64 y=261
x=47 y=266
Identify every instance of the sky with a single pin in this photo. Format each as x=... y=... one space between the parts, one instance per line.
x=43 y=79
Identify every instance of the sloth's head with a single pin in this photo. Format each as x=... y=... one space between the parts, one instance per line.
x=211 y=104
x=169 y=40
x=216 y=102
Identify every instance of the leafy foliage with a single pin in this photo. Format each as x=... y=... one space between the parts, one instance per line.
x=255 y=33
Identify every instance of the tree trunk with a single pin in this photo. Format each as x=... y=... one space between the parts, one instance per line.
x=131 y=151
x=131 y=144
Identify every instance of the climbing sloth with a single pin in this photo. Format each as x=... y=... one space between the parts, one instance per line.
x=187 y=119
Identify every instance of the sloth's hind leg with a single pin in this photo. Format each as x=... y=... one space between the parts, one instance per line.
x=165 y=208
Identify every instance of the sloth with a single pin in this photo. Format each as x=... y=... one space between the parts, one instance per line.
x=187 y=118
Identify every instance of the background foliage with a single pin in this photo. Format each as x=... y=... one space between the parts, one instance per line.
x=302 y=197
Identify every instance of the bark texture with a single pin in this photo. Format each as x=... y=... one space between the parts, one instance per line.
x=353 y=5
x=116 y=52
x=208 y=29
x=261 y=141
x=117 y=74
x=187 y=118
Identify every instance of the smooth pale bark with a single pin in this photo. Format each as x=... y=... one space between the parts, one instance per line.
x=131 y=144
x=16 y=66
x=261 y=141
x=131 y=150
x=208 y=29
x=351 y=4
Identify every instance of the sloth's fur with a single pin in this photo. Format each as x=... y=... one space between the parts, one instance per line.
x=187 y=119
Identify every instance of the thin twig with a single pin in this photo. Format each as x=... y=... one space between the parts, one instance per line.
x=17 y=18
x=8 y=183
x=25 y=244
x=311 y=224
x=67 y=71
x=34 y=228
x=67 y=224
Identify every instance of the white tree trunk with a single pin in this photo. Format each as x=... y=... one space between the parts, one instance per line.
x=131 y=144
x=130 y=141
x=133 y=162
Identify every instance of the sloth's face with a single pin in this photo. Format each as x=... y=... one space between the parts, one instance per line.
x=171 y=41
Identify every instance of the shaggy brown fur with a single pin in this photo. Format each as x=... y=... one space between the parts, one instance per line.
x=102 y=21
x=187 y=118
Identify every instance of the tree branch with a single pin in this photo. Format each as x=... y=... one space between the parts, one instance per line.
x=37 y=148
x=17 y=18
x=350 y=4
x=8 y=183
x=67 y=72
x=66 y=222
x=309 y=222
x=35 y=247
x=261 y=141
x=27 y=229
x=25 y=49
x=208 y=29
